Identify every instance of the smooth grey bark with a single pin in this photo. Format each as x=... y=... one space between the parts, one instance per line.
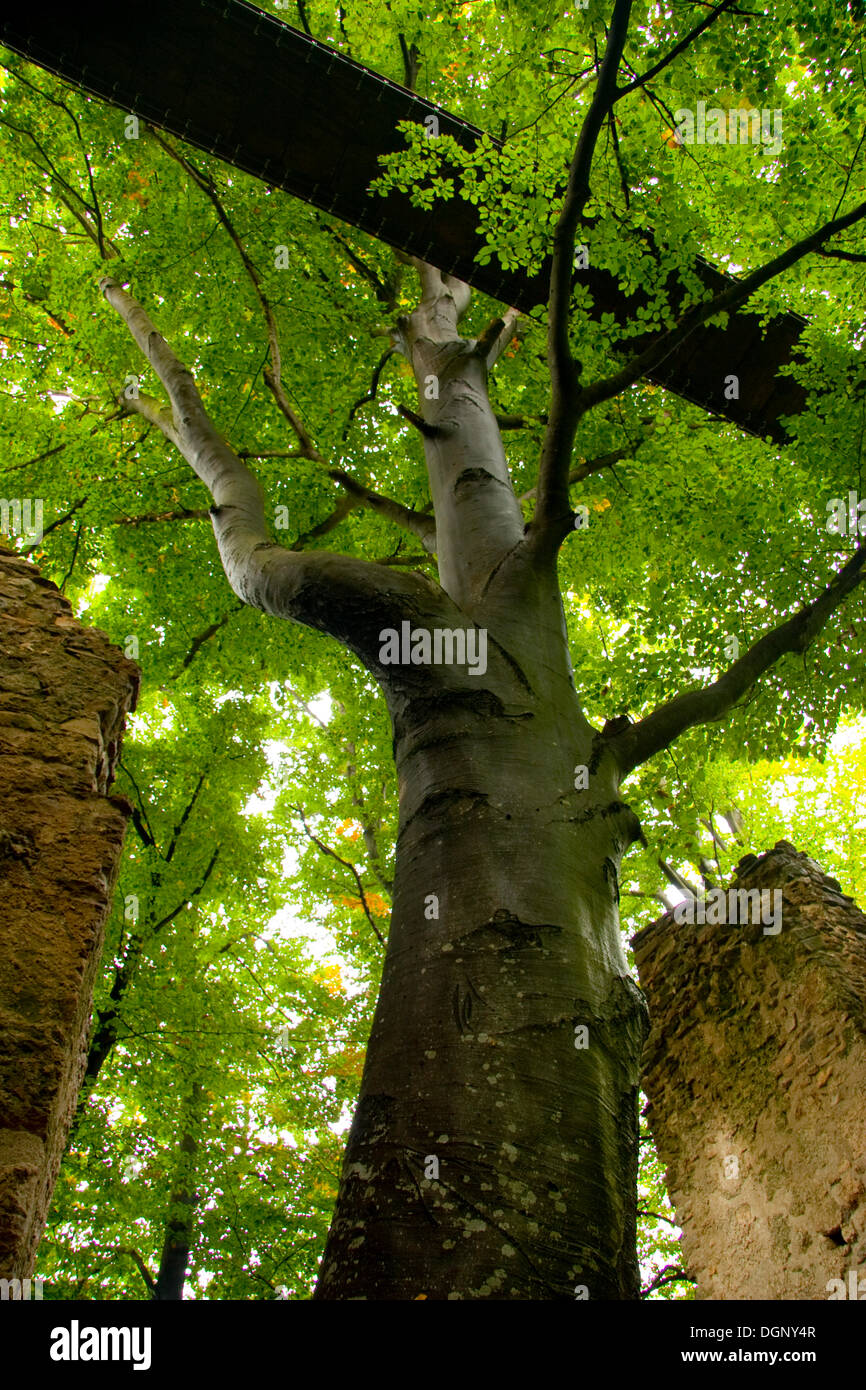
x=473 y=1059
x=504 y=932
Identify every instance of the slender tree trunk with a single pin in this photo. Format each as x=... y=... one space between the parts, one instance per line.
x=180 y=1222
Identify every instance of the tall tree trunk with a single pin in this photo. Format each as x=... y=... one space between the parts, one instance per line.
x=494 y=1149
x=474 y=1058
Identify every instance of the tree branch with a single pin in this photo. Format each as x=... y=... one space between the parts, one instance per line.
x=203 y=637
x=142 y=1267
x=671 y=1274
x=143 y=833
x=340 y=512
x=855 y=257
x=427 y=430
x=68 y=575
x=636 y=743
x=40 y=458
x=730 y=298
x=681 y=884
x=370 y=394
x=187 y=812
x=657 y=1216
x=520 y=422
x=596 y=465
x=411 y=54
x=383 y=291
x=273 y=374
x=89 y=219
x=676 y=50
x=61 y=521
x=421 y=526
x=564 y=371
x=157 y=414
x=107 y=1027
x=369 y=830
x=180 y=1218
x=184 y=514
x=326 y=849
x=496 y=337
x=411 y=560
x=154 y=411
x=139 y=817
x=569 y=402
x=478 y=519
x=40 y=304
x=351 y=599
x=186 y=901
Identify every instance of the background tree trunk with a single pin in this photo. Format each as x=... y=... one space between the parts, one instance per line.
x=179 y=1226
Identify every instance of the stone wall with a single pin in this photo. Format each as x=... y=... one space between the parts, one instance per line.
x=755 y=1070
x=64 y=692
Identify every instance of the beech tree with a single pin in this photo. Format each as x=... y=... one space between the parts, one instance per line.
x=568 y=609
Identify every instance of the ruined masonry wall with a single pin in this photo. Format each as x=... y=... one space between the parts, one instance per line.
x=64 y=693
x=755 y=1070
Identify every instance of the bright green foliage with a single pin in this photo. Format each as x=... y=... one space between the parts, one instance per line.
x=698 y=534
x=819 y=806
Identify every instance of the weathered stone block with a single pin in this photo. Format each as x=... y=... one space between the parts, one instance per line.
x=64 y=694
x=755 y=1070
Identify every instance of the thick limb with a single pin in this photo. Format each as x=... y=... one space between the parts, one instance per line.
x=636 y=743
x=350 y=599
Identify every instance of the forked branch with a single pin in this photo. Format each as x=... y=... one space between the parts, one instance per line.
x=349 y=598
